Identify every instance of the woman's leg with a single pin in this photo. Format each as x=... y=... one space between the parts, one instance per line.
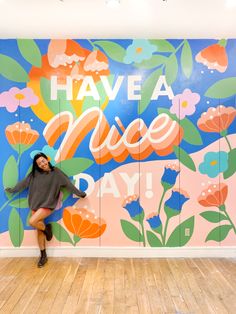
x=41 y=240
x=36 y=221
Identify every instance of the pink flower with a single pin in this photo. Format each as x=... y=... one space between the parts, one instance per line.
x=18 y=97
x=184 y=104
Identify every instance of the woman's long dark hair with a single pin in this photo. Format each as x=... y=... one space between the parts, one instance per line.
x=35 y=167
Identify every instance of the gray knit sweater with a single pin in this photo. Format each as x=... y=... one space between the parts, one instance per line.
x=44 y=188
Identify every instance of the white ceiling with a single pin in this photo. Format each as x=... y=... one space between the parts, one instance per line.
x=131 y=19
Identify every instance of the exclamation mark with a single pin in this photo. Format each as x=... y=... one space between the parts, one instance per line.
x=149 y=192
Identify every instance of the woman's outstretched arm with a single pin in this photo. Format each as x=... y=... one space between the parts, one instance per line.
x=65 y=182
x=20 y=186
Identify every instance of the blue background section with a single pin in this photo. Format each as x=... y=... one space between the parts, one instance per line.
x=127 y=110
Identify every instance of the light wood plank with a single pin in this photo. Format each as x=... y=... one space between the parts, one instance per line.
x=118 y=286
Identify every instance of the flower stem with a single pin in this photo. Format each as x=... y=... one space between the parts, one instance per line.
x=165 y=231
x=161 y=200
x=92 y=44
x=229 y=219
x=144 y=241
x=230 y=148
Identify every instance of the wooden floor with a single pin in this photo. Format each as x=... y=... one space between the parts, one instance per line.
x=91 y=285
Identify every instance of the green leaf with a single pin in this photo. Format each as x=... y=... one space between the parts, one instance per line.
x=74 y=166
x=222 y=89
x=131 y=231
x=219 y=233
x=153 y=240
x=187 y=59
x=16 y=228
x=178 y=237
x=89 y=102
x=30 y=51
x=28 y=218
x=56 y=106
x=171 y=69
x=60 y=233
x=66 y=194
x=153 y=62
x=162 y=45
x=231 y=164
x=147 y=90
x=12 y=70
x=191 y=133
x=184 y=158
x=20 y=203
x=10 y=173
x=213 y=216
x=113 y=50
x=76 y=239
x=164 y=110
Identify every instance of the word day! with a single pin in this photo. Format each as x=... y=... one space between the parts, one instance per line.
x=108 y=184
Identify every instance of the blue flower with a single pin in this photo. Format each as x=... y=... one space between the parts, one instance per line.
x=214 y=163
x=132 y=205
x=155 y=222
x=49 y=151
x=169 y=177
x=174 y=204
x=139 y=50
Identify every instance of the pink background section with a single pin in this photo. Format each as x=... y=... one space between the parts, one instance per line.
x=111 y=210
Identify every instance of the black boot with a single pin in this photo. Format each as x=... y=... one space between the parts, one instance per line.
x=48 y=232
x=43 y=259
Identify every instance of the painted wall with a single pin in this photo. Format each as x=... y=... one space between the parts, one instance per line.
x=146 y=127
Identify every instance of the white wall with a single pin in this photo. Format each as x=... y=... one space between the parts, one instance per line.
x=132 y=19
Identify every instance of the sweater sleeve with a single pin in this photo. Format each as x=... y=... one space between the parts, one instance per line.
x=21 y=185
x=65 y=182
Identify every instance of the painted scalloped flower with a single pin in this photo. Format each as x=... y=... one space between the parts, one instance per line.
x=214 y=163
x=18 y=97
x=184 y=104
x=49 y=151
x=139 y=50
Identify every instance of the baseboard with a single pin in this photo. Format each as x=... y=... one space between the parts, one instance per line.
x=123 y=252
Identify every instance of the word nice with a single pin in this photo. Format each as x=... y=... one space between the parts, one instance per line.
x=88 y=88
x=106 y=142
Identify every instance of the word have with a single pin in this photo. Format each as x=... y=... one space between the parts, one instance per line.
x=88 y=88
x=106 y=142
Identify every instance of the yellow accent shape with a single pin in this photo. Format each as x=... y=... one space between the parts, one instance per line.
x=19 y=96
x=213 y=162
x=40 y=110
x=184 y=104
x=77 y=104
x=103 y=106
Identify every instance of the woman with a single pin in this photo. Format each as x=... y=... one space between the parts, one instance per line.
x=44 y=183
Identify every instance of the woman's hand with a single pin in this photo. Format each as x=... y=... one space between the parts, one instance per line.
x=83 y=195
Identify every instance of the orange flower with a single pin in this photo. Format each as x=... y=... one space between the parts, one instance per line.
x=83 y=223
x=66 y=58
x=96 y=61
x=214 y=57
x=214 y=195
x=216 y=119
x=21 y=133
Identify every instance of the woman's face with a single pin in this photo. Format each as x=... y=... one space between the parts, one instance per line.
x=43 y=163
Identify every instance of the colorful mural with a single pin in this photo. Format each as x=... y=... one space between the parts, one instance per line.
x=145 y=127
